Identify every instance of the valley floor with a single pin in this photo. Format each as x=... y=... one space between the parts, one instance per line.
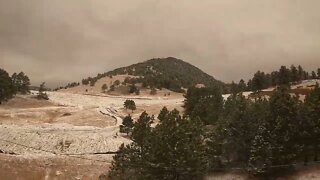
x=60 y=138
x=71 y=136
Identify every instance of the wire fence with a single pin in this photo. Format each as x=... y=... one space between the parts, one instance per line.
x=80 y=156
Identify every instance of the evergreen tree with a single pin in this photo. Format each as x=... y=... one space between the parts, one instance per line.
x=15 y=82
x=112 y=88
x=312 y=105
x=85 y=81
x=301 y=73
x=116 y=83
x=205 y=103
x=242 y=86
x=41 y=93
x=132 y=89
x=163 y=114
x=174 y=149
x=25 y=83
x=127 y=125
x=127 y=164
x=267 y=81
x=318 y=73
x=142 y=130
x=130 y=104
x=92 y=82
x=258 y=81
x=234 y=88
x=284 y=76
x=104 y=87
x=275 y=143
x=261 y=152
x=21 y=82
x=313 y=75
x=6 y=87
x=294 y=74
x=249 y=85
x=235 y=129
x=274 y=78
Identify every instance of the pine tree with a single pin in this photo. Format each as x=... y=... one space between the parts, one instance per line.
x=130 y=104
x=274 y=78
x=234 y=88
x=261 y=155
x=163 y=114
x=126 y=164
x=312 y=105
x=242 y=86
x=112 y=88
x=132 y=89
x=142 y=129
x=204 y=103
x=180 y=152
x=294 y=74
x=85 y=81
x=21 y=82
x=237 y=129
x=249 y=85
x=41 y=93
x=104 y=87
x=127 y=125
x=174 y=149
x=258 y=81
x=313 y=75
x=300 y=73
x=6 y=86
x=275 y=144
x=284 y=76
x=25 y=83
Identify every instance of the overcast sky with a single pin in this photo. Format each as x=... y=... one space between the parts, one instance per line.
x=59 y=41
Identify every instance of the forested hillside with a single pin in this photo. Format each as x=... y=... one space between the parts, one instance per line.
x=170 y=73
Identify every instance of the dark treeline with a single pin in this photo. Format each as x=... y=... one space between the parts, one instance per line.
x=11 y=85
x=284 y=76
x=69 y=85
x=262 y=136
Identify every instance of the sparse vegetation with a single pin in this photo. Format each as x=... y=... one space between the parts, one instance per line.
x=153 y=91
x=41 y=93
x=169 y=73
x=112 y=88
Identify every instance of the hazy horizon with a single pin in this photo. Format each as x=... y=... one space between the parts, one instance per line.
x=64 y=41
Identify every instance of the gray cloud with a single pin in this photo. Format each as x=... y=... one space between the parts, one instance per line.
x=61 y=41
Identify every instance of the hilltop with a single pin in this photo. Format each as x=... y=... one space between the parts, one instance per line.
x=162 y=73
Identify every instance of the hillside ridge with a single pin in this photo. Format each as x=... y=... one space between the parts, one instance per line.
x=169 y=73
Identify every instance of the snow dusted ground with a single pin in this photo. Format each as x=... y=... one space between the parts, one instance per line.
x=47 y=139
x=116 y=102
